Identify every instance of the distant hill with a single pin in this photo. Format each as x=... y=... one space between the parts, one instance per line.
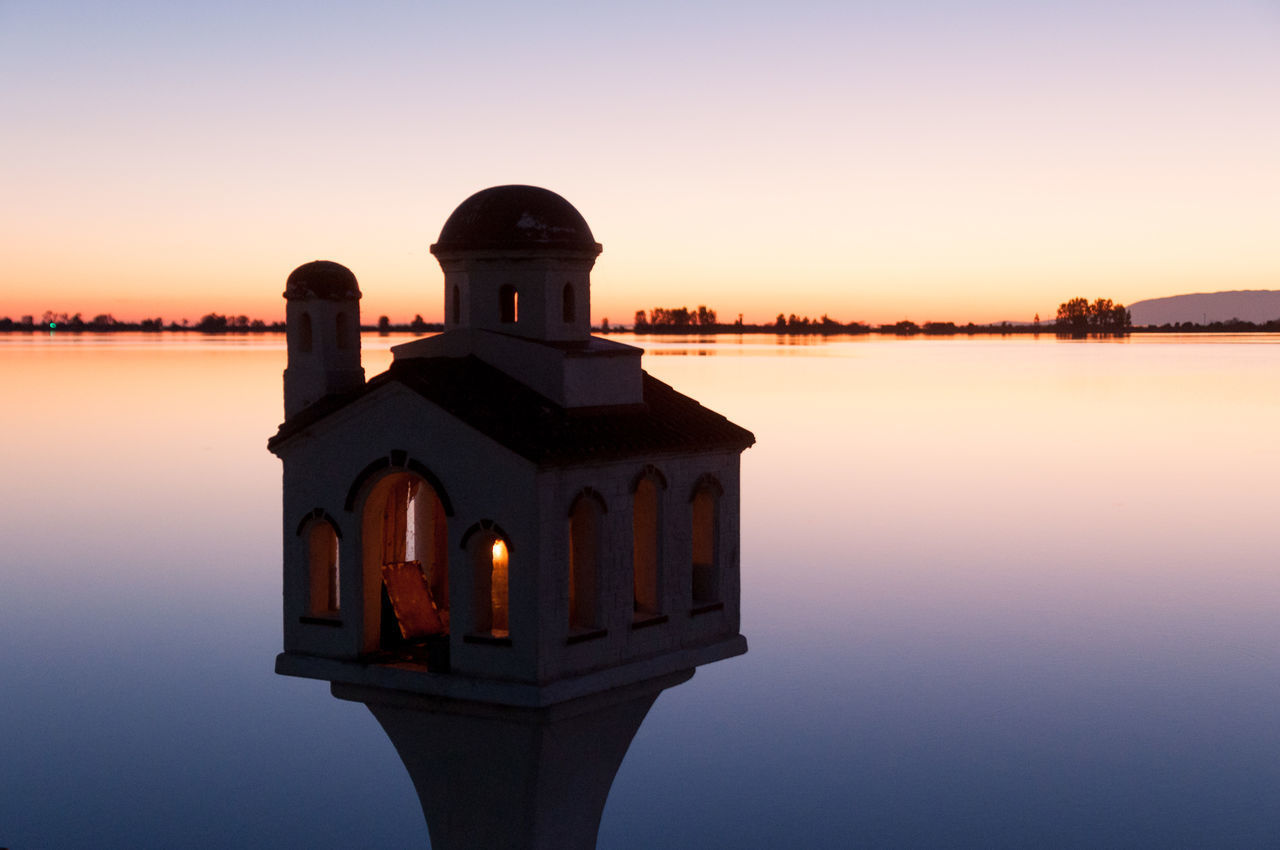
x=1252 y=305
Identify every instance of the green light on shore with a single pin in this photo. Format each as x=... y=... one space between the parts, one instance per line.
x=53 y=326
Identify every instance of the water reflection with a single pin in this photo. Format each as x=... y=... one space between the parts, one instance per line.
x=1000 y=592
x=754 y=345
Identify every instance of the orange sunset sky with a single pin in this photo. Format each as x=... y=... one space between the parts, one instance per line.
x=966 y=161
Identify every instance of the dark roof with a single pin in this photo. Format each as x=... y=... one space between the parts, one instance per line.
x=537 y=429
x=516 y=218
x=322 y=279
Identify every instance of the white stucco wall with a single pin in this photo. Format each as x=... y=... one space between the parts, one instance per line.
x=481 y=480
x=484 y=481
x=626 y=641
x=539 y=280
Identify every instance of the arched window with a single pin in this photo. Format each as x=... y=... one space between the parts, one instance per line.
x=585 y=521
x=407 y=564
x=646 y=543
x=705 y=517
x=489 y=552
x=304 y=332
x=568 y=307
x=508 y=305
x=345 y=330
x=457 y=306
x=322 y=560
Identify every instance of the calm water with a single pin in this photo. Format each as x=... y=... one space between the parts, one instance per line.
x=998 y=592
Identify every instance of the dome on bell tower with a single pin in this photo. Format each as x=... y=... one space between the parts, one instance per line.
x=322 y=279
x=322 y=334
x=516 y=218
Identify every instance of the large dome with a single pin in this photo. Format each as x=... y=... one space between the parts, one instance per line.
x=516 y=218
x=322 y=279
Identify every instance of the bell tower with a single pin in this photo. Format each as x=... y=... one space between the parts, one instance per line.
x=517 y=266
x=517 y=260
x=322 y=329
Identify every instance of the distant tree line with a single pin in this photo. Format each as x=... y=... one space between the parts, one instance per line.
x=105 y=322
x=417 y=326
x=1226 y=326
x=675 y=317
x=210 y=323
x=76 y=322
x=1103 y=315
x=661 y=320
x=824 y=325
x=794 y=325
x=215 y=323
x=1076 y=316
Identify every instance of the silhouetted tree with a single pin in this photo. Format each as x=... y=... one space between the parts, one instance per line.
x=670 y=317
x=641 y=323
x=1112 y=316
x=1074 y=314
x=384 y=325
x=1100 y=311
x=212 y=323
x=1102 y=315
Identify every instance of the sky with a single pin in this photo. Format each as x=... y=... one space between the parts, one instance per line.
x=874 y=161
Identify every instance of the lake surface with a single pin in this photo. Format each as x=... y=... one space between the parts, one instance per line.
x=999 y=592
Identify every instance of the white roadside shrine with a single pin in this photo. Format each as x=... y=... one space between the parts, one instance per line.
x=508 y=543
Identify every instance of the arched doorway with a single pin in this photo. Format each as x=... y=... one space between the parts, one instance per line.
x=406 y=563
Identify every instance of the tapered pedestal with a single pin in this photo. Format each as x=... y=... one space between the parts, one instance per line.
x=508 y=777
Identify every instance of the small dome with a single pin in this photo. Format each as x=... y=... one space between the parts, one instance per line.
x=322 y=279
x=516 y=218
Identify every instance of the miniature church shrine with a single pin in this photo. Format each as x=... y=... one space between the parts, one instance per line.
x=514 y=514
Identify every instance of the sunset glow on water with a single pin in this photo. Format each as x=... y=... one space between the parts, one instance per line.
x=997 y=591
